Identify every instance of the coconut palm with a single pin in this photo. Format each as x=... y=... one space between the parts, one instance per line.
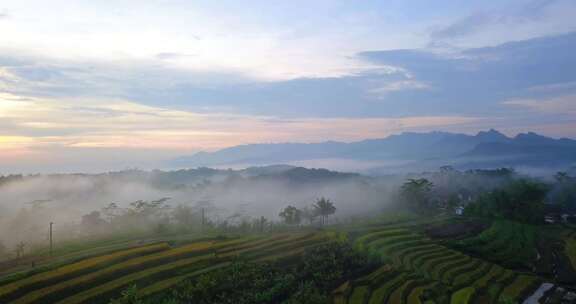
x=324 y=208
x=562 y=177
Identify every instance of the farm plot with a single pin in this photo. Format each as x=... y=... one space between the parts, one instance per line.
x=154 y=267
x=424 y=270
x=508 y=243
x=21 y=287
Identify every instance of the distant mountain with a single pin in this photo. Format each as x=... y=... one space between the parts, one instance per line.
x=406 y=151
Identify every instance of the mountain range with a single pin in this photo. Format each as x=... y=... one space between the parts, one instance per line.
x=408 y=151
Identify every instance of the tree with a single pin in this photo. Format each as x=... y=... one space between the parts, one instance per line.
x=416 y=192
x=184 y=216
x=309 y=214
x=93 y=222
x=447 y=169
x=111 y=211
x=291 y=215
x=20 y=247
x=562 y=177
x=324 y=208
x=3 y=250
x=564 y=191
x=520 y=200
x=262 y=222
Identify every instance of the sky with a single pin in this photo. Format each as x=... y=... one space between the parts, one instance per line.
x=103 y=85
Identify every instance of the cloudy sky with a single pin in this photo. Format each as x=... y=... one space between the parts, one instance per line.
x=99 y=85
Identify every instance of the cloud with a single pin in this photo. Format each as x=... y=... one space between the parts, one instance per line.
x=120 y=123
x=477 y=80
x=405 y=82
x=37 y=129
x=563 y=105
x=171 y=56
x=463 y=27
x=398 y=86
x=516 y=22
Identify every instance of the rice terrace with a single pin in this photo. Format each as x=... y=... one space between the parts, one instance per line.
x=400 y=257
x=288 y=152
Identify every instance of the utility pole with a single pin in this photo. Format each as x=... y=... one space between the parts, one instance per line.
x=51 y=244
x=262 y=220
x=203 y=219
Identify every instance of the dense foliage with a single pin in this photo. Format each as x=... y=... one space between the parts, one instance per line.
x=310 y=280
x=563 y=192
x=416 y=194
x=520 y=200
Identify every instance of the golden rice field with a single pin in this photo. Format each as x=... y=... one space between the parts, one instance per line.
x=414 y=267
x=419 y=269
x=153 y=268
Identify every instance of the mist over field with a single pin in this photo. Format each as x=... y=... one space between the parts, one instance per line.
x=30 y=203
x=288 y=152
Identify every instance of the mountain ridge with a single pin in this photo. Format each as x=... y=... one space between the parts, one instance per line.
x=425 y=147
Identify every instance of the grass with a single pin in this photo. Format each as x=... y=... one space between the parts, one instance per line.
x=436 y=271
x=469 y=277
x=450 y=274
x=18 y=288
x=109 y=288
x=162 y=285
x=364 y=240
x=359 y=295
x=409 y=254
x=507 y=242
x=414 y=297
x=194 y=264
x=56 y=292
x=462 y=296
x=374 y=275
x=397 y=295
x=414 y=267
x=105 y=275
x=519 y=286
x=405 y=248
x=380 y=295
x=570 y=251
x=495 y=272
x=340 y=294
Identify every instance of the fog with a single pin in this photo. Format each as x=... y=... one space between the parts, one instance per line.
x=29 y=203
x=145 y=200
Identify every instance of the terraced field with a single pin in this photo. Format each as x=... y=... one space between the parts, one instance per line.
x=153 y=267
x=412 y=267
x=505 y=242
x=422 y=270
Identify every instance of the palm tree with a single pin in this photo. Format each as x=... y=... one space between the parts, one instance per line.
x=562 y=177
x=324 y=208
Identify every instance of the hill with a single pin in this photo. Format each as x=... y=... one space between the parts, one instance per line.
x=403 y=152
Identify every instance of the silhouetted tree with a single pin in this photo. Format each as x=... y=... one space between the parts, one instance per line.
x=111 y=211
x=563 y=192
x=562 y=177
x=324 y=208
x=3 y=250
x=291 y=215
x=93 y=222
x=20 y=247
x=184 y=216
x=416 y=192
x=309 y=214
